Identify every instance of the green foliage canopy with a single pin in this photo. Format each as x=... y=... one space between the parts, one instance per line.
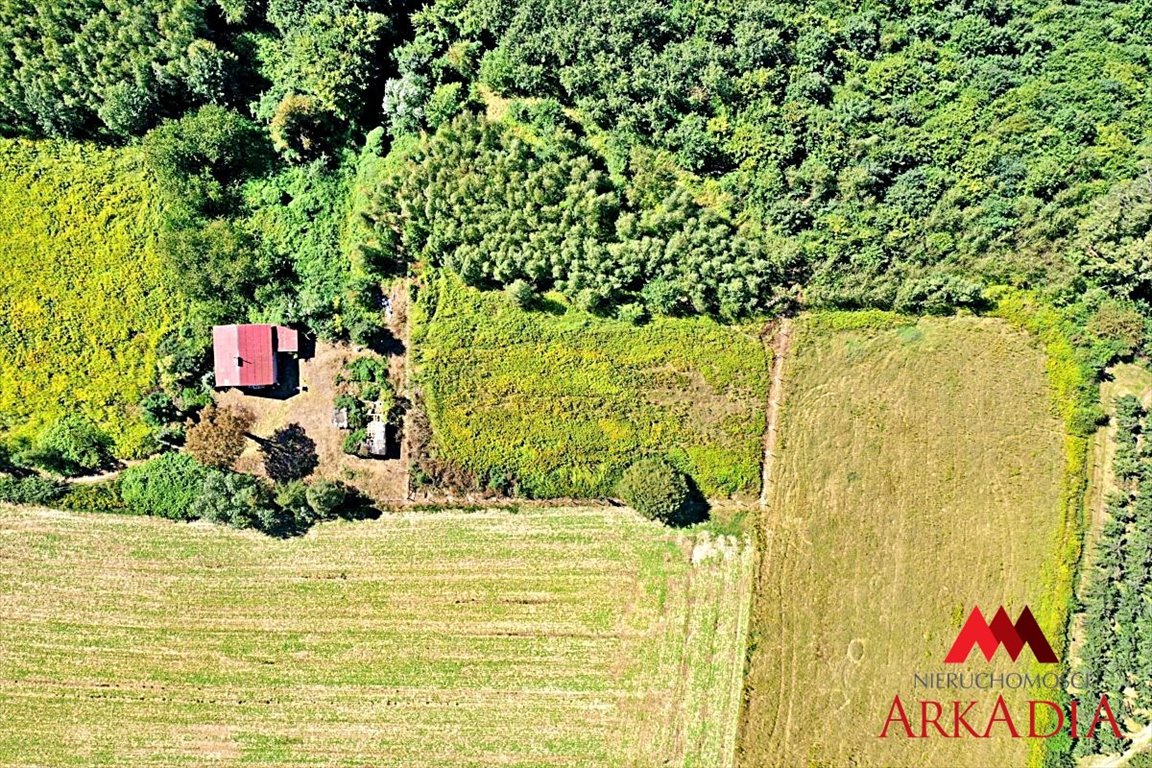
x=168 y=486
x=655 y=489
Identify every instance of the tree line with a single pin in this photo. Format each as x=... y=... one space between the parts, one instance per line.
x=1115 y=656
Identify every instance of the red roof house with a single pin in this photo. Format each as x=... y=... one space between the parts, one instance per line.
x=245 y=355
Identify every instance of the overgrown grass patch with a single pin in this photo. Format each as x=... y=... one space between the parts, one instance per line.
x=84 y=297
x=562 y=401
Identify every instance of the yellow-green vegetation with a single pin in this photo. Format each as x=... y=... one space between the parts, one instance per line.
x=577 y=637
x=1076 y=398
x=563 y=401
x=83 y=294
x=920 y=471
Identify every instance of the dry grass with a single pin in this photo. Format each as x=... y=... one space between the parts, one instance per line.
x=918 y=473
x=580 y=637
x=382 y=480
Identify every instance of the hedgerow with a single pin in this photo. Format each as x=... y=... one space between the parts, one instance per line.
x=1072 y=381
x=177 y=487
x=1116 y=615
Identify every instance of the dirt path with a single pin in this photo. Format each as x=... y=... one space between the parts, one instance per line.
x=780 y=346
x=400 y=372
x=1123 y=379
x=1140 y=743
x=109 y=475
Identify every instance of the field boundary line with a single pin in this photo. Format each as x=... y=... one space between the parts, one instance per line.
x=780 y=346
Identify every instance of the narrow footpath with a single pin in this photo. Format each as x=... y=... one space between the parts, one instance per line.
x=780 y=346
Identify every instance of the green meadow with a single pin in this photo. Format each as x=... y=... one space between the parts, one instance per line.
x=84 y=296
x=562 y=401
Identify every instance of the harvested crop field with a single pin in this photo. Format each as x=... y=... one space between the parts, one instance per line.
x=579 y=637
x=919 y=472
x=558 y=402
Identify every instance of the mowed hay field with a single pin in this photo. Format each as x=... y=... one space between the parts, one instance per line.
x=919 y=472
x=560 y=401
x=84 y=296
x=577 y=637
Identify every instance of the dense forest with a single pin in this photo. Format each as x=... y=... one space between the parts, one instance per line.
x=732 y=159
x=644 y=158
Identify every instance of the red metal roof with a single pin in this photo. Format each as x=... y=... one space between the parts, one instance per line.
x=244 y=355
x=287 y=339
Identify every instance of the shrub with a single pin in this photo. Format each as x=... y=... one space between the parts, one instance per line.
x=94 y=497
x=655 y=489
x=158 y=410
x=1119 y=323
x=635 y=313
x=521 y=293
x=326 y=497
x=235 y=499
x=357 y=412
x=217 y=440
x=289 y=454
x=30 y=490
x=364 y=388
x=354 y=440
x=300 y=127
x=292 y=498
x=72 y=445
x=168 y=486
x=366 y=368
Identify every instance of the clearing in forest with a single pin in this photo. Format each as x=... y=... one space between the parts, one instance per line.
x=558 y=401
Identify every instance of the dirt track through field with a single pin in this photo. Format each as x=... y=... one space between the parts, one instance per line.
x=780 y=345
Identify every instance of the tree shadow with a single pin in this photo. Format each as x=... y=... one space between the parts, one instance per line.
x=356 y=507
x=306 y=346
x=548 y=306
x=695 y=510
x=287 y=380
x=383 y=342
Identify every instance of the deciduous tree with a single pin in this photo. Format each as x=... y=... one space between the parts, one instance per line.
x=217 y=439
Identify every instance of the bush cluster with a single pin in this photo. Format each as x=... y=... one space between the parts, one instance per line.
x=177 y=487
x=30 y=490
x=655 y=489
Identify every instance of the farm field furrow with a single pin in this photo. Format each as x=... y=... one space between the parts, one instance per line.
x=580 y=637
